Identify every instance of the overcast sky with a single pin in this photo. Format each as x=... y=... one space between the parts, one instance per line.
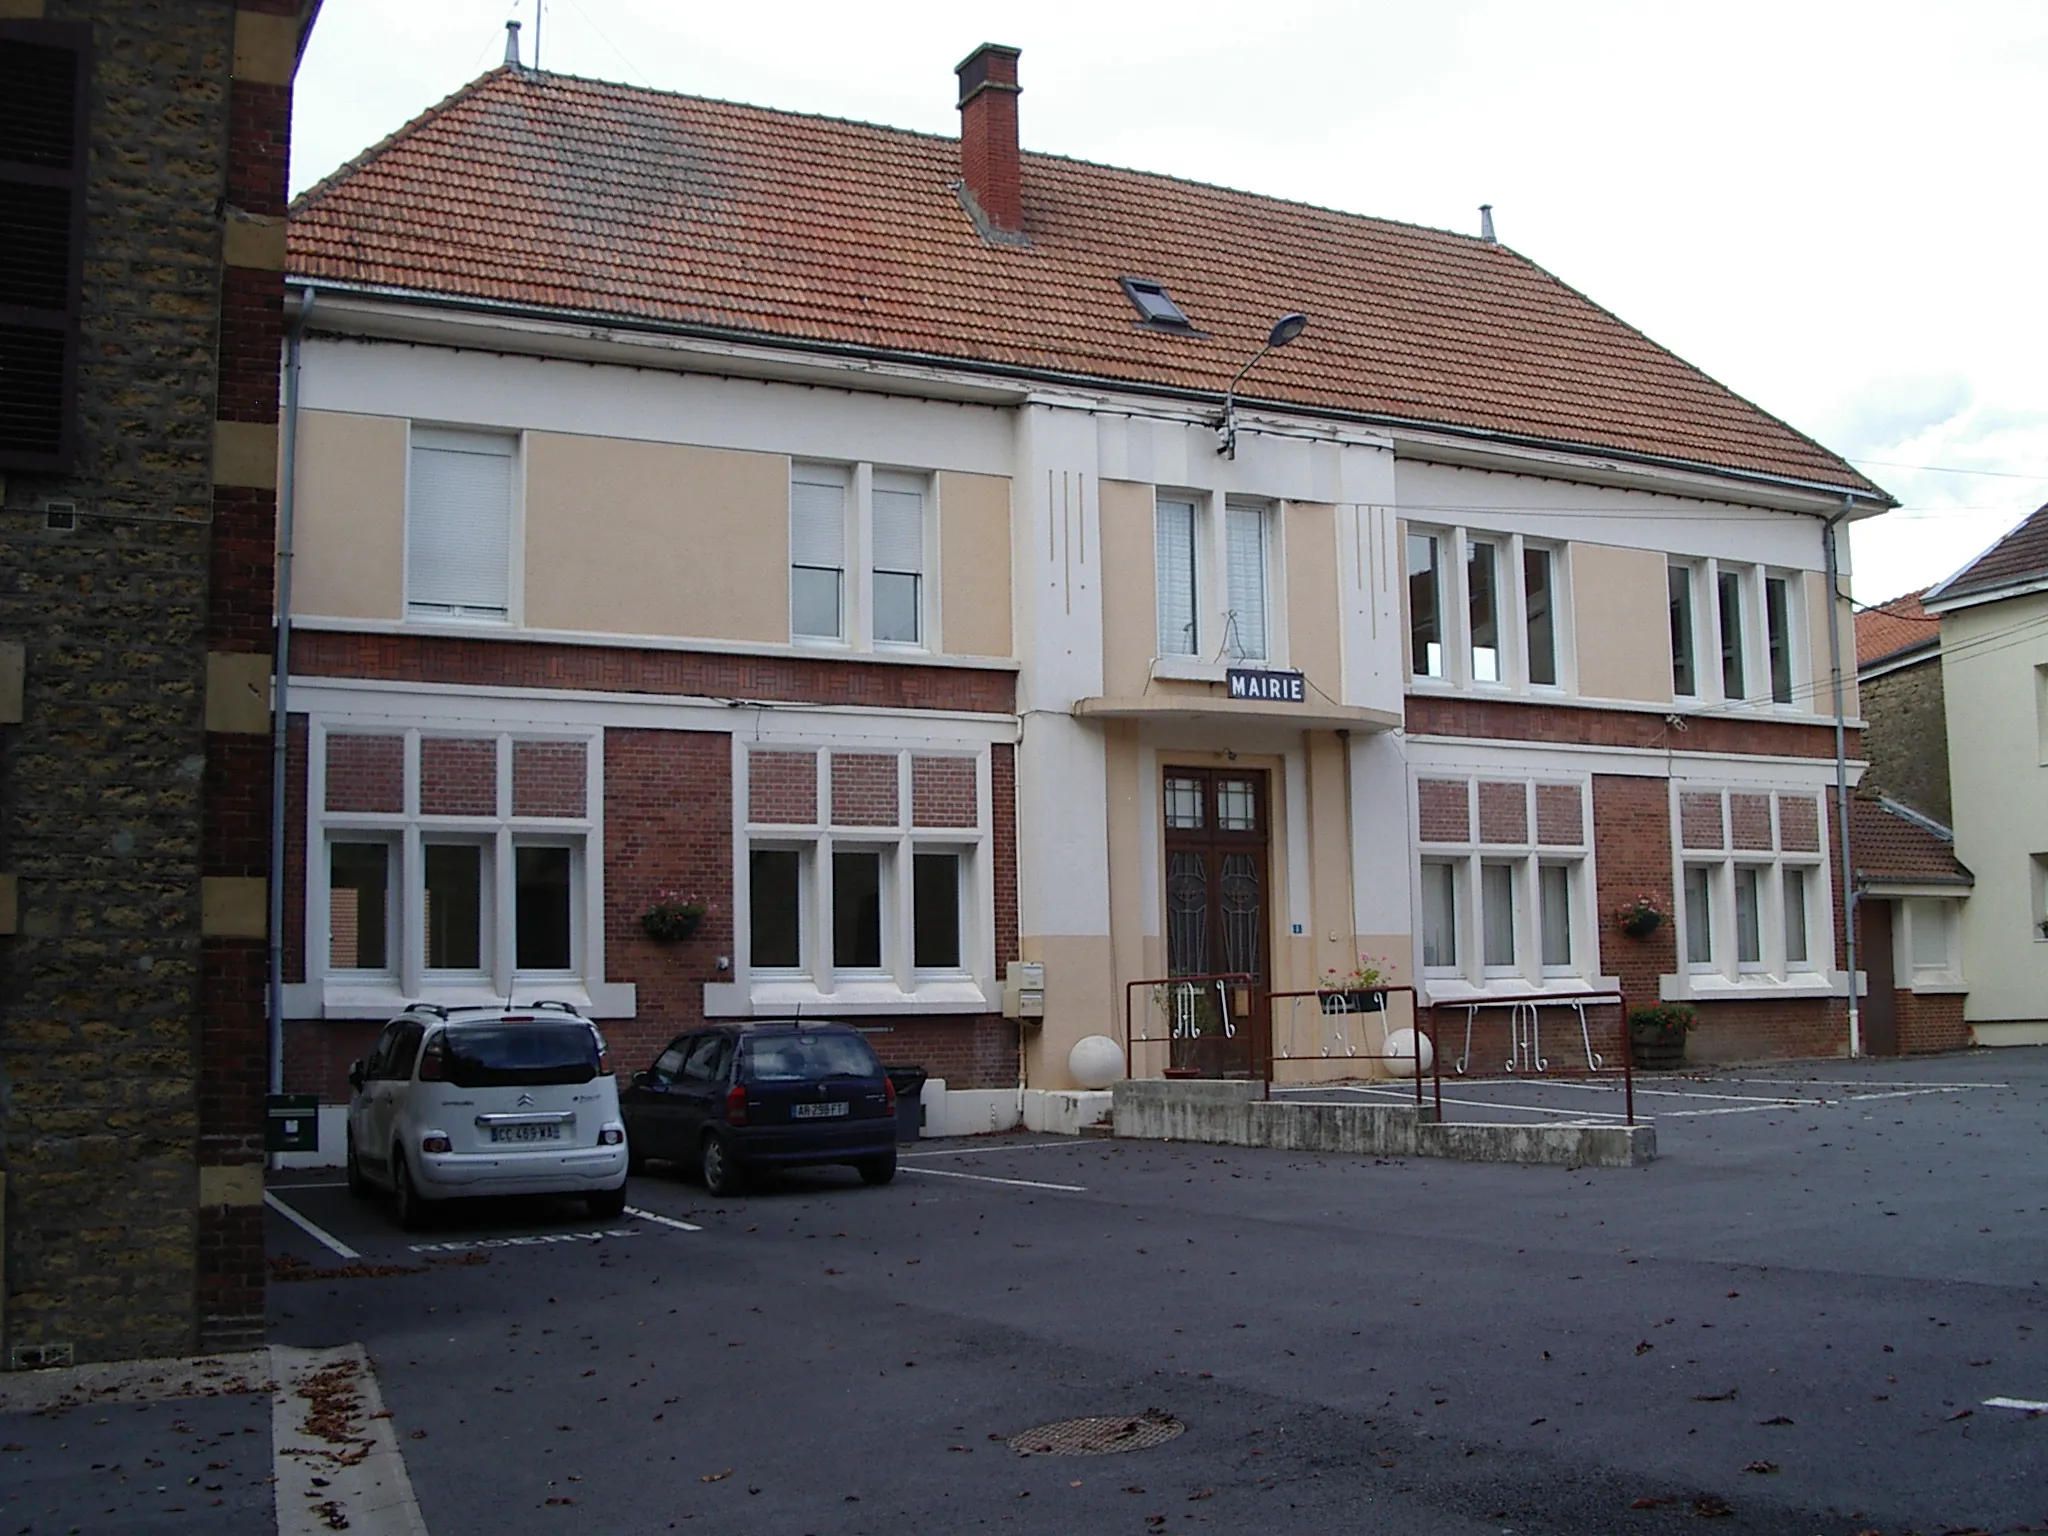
x=1837 y=209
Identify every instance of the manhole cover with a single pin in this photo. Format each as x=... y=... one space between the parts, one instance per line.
x=1098 y=1437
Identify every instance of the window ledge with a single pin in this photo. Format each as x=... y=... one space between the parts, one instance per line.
x=1190 y=669
x=1716 y=988
x=1455 y=991
x=849 y=999
x=369 y=999
x=1942 y=985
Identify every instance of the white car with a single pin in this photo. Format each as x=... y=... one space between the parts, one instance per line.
x=486 y=1101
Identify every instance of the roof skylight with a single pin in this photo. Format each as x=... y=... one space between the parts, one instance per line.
x=1155 y=304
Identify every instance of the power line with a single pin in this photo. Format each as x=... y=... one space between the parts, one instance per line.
x=1950 y=469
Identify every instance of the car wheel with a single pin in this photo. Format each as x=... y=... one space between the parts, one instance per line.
x=722 y=1175
x=607 y=1202
x=407 y=1203
x=877 y=1170
x=358 y=1185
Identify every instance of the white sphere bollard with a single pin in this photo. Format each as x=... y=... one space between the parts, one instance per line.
x=1096 y=1061
x=1401 y=1053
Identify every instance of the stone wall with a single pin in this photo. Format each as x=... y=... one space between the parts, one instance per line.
x=1905 y=734
x=128 y=968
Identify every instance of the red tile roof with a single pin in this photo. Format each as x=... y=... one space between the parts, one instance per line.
x=1894 y=627
x=568 y=194
x=2020 y=557
x=1887 y=843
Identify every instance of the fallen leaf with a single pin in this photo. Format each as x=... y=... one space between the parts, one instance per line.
x=1647 y=1503
x=1644 y=1346
x=1714 y=1397
x=1206 y=1493
x=1962 y=1413
x=716 y=1477
x=1709 y=1507
x=1776 y=1418
x=1761 y=1466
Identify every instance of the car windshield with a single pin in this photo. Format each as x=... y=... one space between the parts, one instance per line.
x=804 y=1058
x=493 y=1055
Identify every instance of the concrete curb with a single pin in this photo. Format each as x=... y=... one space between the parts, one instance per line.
x=327 y=1422
x=137 y=1381
x=1237 y=1114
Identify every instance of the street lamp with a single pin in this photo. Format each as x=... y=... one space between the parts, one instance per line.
x=1285 y=329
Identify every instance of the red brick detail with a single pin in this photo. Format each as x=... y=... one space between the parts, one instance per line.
x=619 y=669
x=942 y=792
x=252 y=335
x=1770 y=1031
x=978 y=1051
x=1749 y=818
x=1798 y=824
x=1560 y=815
x=1003 y=847
x=1445 y=807
x=1503 y=812
x=260 y=128
x=366 y=773
x=782 y=788
x=1930 y=1022
x=234 y=1050
x=237 y=800
x=1699 y=821
x=231 y=1276
x=864 y=789
x=1632 y=850
x=317 y=1053
x=241 y=560
x=1504 y=720
x=295 y=848
x=458 y=776
x=549 y=778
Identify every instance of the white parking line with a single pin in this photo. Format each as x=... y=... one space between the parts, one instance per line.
x=1022 y=1146
x=988 y=1178
x=1843 y=1082
x=318 y=1234
x=2021 y=1403
x=666 y=1221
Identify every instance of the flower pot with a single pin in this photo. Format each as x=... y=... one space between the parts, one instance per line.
x=1641 y=925
x=1658 y=1050
x=668 y=926
x=1354 y=1000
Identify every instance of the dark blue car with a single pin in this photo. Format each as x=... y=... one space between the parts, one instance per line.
x=730 y=1099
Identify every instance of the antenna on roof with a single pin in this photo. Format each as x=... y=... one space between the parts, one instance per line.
x=512 y=43
x=1486 y=223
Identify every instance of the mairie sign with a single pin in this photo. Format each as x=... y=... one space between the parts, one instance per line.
x=1273 y=687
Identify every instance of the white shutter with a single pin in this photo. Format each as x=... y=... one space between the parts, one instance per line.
x=1175 y=533
x=1244 y=532
x=458 y=557
x=899 y=523
x=817 y=517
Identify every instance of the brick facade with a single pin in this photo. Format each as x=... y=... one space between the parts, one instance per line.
x=942 y=792
x=549 y=778
x=1931 y=1021
x=1503 y=812
x=1512 y=720
x=365 y=773
x=782 y=788
x=1445 y=810
x=458 y=776
x=1560 y=817
x=132 y=1045
x=864 y=789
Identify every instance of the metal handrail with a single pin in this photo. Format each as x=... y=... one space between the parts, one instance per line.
x=1415 y=1009
x=1537 y=999
x=1243 y=977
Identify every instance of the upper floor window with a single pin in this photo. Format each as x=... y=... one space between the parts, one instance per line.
x=1747 y=623
x=1484 y=608
x=839 y=513
x=1189 y=543
x=458 y=525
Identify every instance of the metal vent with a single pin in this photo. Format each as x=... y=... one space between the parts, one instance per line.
x=35 y=258
x=38 y=103
x=1099 y=1437
x=31 y=389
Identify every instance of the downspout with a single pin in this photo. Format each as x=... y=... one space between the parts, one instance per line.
x=1842 y=770
x=281 y=673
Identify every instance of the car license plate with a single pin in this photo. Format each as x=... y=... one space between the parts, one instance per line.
x=526 y=1133
x=818 y=1111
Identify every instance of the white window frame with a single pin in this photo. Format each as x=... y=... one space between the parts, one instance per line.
x=1214 y=616
x=1753 y=638
x=1471 y=975
x=394 y=907
x=857 y=574
x=898 y=985
x=1511 y=612
x=1907 y=923
x=417 y=607
x=1772 y=972
x=330 y=992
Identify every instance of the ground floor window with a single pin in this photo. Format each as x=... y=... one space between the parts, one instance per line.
x=1503 y=883
x=1751 y=882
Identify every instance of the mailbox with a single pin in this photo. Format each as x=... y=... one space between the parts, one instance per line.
x=1024 y=990
x=291 y=1122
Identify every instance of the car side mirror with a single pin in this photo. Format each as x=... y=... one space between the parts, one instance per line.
x=355 y=1075
x=641 y=1079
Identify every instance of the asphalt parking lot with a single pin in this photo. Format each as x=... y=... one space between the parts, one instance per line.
x=1805 y=1316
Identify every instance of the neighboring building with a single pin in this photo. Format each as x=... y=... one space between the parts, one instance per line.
x=1905 y=728
x=142 y=192
x=1994 y=674
x=1910 y=895
x=832 y=523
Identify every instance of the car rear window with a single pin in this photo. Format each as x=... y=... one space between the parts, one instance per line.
x=803 y=1058
x=502 y=1055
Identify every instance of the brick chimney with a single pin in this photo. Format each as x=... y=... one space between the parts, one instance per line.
x=989 y=162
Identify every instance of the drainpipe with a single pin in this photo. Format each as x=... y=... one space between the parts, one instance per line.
x=1842 y=771
x=281 y=673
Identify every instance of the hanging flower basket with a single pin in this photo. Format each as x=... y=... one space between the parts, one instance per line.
x=672 y=918
x=1640 y=918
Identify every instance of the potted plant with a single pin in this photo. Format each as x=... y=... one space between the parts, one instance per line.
x=1640 y=917
x=672 y=918
x=1362 y=989
x=1657 y=1034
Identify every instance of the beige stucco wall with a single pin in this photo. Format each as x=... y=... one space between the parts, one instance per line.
x=348 y=536
x=1820 y=694
x=1991 y=658
x=1621 y=623
x=1315 y=644
x=974 y=565
x=643 y=538
x=1130 y=621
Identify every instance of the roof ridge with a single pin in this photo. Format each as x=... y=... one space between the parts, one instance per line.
x=391 y=140
x=1951 y=585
